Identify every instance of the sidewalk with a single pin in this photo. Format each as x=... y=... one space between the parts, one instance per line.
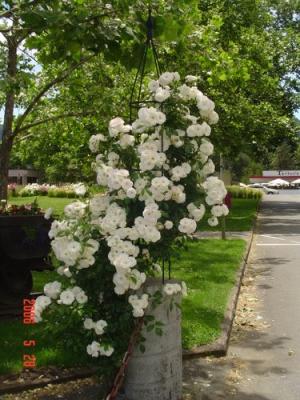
x=263 y=362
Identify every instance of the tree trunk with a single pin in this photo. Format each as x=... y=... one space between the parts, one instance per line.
x=5 y=151
x=7 y=138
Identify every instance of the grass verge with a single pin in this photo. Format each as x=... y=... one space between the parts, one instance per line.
x=240 y=218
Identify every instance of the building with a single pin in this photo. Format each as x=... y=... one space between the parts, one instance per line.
x=268 y=176
x=21 y=176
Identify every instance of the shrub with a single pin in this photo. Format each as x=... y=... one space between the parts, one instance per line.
x=238 y=192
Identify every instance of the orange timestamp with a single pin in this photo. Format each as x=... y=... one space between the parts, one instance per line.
x=29 y=360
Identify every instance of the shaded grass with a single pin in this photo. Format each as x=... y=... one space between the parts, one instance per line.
x=207 y=266
x=240 y=218
x=40 y=278
x=46 y=351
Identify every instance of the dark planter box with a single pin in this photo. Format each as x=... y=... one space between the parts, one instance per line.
x=24 y=246
x=24 y=237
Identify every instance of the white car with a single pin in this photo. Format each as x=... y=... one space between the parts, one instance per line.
x=256 y=185
x=268 y=190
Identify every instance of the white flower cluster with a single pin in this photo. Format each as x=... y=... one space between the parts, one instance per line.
x=98 y=326
x=139 y=304
x=148 y=118
x=52 y=289
x=196 y=213
x=141 y=206
x=173 y=288
x=72 y=252
x=95 y=349
x=68 y=296
x=95 y=141
x=41 y=303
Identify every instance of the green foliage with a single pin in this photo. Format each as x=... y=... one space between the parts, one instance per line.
x=240 y=52
x=243 y=166
x=245 y=53
x=283 y=157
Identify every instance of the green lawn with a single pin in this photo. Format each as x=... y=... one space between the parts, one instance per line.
x=208 y=267
x=240 y=218
x=58 y=204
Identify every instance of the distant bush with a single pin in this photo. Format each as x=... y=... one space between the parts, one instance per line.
x=238 y=192
x=62 y=192
x=72 y=190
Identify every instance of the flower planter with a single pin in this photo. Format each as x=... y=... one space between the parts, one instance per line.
x=157 y=373
x=24 y=245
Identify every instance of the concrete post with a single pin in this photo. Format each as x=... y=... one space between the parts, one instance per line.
x=156 y=374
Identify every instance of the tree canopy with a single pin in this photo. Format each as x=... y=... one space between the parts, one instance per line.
x=85 y=54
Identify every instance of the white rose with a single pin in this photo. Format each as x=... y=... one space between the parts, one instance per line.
x=187 y=225
x=106 y=351
x=168 y=225
x=116 y=126
x=48 y=213
x=67 y=297
x=153 y=86
x=213 y=221
x=52 y=289
x=93 y=349
x=100 y=326
x=126 y=141
x=81 y=298
x=88 y=324
x=191 y=78
x=206 y=147
x=162 y=94
x=168 y=77
x=94 y=142
x=131 y=193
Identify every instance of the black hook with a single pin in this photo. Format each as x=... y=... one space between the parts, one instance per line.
x=149 y=25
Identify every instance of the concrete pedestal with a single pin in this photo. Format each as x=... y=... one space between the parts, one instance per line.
x=156 y=374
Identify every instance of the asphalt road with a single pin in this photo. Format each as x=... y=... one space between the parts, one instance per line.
x=272 y=357
x=263 y=361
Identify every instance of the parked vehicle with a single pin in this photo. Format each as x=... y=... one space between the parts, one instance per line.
x=256 y=185
x=268 y=190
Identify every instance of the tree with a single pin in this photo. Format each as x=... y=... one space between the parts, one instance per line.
x=283 y=157
x=59 y=149
x=63 y=34
x=246 y=52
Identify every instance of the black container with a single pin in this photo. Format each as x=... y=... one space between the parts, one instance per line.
x=24 y=246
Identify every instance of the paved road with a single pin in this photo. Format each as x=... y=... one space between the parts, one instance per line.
x=273 y=357
x=263 y=363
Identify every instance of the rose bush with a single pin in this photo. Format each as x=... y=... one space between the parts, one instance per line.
x=155 y=172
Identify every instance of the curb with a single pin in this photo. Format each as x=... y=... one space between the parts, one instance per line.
x=219 y=347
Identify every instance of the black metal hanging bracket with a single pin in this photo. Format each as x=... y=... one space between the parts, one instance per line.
x=140 y=75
